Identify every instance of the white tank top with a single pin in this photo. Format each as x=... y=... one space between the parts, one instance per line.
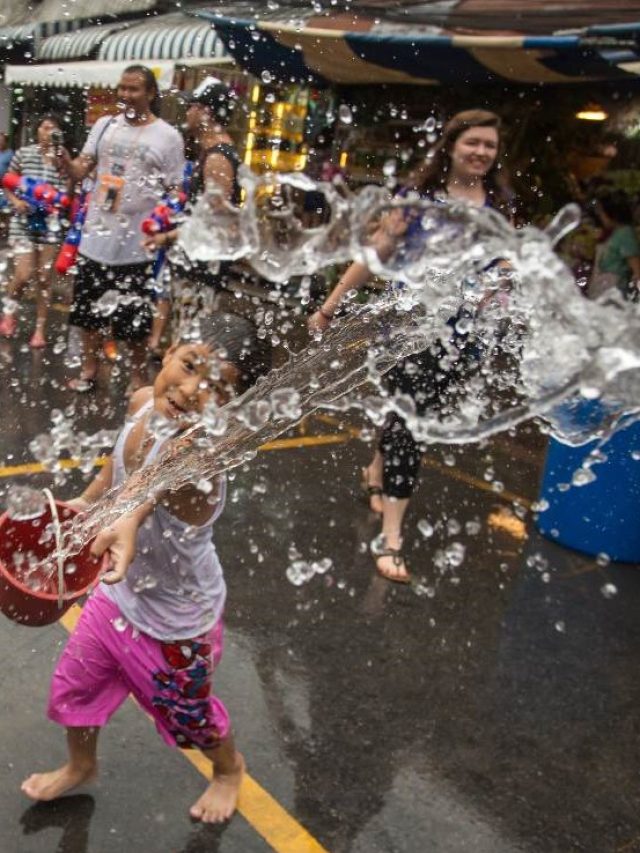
x=174 y=588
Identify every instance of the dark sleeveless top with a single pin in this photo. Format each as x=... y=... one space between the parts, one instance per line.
x=199 y=271
x=197 y=179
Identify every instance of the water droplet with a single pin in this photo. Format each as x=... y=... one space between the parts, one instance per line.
x=425 y=528
x=344 y=114
x=583 y=476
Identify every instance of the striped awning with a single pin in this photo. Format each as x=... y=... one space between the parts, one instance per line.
x=21 y=34
x=99 y=75
x=81 y=44
x=164 y=37
x=320 y=50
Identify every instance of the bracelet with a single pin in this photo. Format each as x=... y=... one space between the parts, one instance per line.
x=324 y=314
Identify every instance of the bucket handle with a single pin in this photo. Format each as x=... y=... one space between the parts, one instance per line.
x=57 y=531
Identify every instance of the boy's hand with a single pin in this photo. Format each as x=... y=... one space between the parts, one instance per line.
x=318 y=322
x=116 y=544
x=79 y=504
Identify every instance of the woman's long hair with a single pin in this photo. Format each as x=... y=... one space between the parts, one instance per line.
x=433 y=174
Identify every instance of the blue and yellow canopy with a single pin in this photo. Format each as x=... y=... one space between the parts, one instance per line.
x=341 y=50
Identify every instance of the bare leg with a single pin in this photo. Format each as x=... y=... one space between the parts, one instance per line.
x=24 y=266
x=219 y=801
x=372 y=475
x=393 y=512
x=46 y=257
x=90 y=350
x=81 y=767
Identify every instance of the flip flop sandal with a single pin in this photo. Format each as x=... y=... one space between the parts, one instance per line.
x=82 y=385
x=399 y=562
x=370 y=491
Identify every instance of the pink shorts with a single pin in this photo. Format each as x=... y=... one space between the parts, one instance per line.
x=106 y=659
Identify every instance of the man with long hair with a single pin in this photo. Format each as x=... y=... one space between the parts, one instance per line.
x=135 y=156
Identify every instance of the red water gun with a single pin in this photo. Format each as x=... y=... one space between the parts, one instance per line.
x=163 y=216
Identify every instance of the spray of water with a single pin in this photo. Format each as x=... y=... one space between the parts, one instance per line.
x=541 y=341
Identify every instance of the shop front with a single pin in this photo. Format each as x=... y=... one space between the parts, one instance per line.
x=382 y=88
x=76 y=75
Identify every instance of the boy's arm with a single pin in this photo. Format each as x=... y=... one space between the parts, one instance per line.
x=116 y=544
x=100 y=484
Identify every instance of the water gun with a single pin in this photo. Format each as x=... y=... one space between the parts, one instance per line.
x=69 y=249
x=163 y=217
x=40 y=195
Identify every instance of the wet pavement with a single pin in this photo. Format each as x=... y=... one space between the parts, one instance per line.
x=495 y=712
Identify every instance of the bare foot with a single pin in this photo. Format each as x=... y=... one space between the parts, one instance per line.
x=218 y=802
x=392 y=567
x=390 y=561
x=50 y=786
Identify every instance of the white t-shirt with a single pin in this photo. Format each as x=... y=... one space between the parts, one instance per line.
x=135 y=164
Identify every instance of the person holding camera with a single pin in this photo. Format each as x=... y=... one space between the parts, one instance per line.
x=34 y=237
x=136 y=157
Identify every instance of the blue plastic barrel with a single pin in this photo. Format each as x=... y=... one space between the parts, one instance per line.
x=602 y=516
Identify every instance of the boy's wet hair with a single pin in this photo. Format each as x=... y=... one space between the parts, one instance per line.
x=237 y=337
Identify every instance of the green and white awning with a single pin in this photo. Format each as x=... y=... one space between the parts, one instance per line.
x=82 y=75
x=26 y=35
x=81 y=44
x=165 y=37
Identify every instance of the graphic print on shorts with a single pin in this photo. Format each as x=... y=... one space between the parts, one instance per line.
x=184 y=692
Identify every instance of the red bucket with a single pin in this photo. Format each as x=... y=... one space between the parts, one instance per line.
x=28 y=594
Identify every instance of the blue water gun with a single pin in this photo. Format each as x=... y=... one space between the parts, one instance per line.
x=40 y=195
x=69 y=249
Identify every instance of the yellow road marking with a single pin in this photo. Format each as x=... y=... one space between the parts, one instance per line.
x=278 y=444
x=305 y=441
x=445 y=470
x=456 y=474
x=38 y=467
x=281 y=831
x=289 y=443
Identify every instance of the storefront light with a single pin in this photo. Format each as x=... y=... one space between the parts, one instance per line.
x=592 y=112
x=251 y=139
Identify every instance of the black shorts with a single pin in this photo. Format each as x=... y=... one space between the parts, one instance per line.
x=118 y=297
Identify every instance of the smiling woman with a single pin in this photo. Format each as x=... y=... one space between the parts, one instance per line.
x=463 y=165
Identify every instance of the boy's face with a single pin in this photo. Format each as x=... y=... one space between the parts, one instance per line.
x=190 y=375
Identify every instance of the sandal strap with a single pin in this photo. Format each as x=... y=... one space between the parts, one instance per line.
x=396 y=555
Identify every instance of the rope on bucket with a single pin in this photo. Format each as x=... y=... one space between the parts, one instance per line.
x=57 y=531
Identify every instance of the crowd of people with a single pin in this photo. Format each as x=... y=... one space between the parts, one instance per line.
x=172 y=640
x=127 y=164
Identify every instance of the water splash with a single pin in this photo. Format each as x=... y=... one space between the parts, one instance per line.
x=541 y=342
